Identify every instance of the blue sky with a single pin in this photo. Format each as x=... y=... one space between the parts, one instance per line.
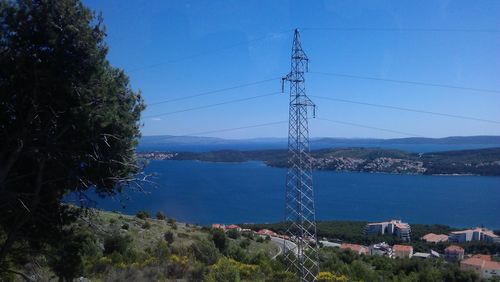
x=173 y=49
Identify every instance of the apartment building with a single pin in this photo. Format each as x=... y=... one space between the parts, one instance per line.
x=393 y=227
x=477 y=234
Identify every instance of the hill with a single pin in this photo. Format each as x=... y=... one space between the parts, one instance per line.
x=484 y=162
x=452 y=140
x=109 y=246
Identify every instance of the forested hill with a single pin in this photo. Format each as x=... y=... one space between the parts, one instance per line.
x=477 y=162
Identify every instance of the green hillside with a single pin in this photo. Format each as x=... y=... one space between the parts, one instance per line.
x=108 y=246
x=477 y=162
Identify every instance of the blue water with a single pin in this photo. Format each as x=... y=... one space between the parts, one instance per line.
x=205 y=193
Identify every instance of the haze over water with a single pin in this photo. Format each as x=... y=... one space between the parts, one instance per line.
x=206 y=193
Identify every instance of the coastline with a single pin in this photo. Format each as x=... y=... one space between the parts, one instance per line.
x=478 y=162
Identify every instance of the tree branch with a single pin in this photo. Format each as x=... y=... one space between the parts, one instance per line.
x=23 y=275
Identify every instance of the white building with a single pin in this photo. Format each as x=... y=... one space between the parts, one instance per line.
x=477 y=234
x=380 y=249
x=393 y=227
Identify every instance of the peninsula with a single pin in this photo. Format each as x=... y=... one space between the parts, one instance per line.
x=485 y=162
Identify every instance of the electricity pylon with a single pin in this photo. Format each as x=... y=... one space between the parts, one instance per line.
x=299 y=196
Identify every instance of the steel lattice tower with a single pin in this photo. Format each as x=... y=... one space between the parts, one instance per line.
x=299 y=197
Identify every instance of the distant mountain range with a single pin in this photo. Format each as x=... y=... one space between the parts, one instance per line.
x=414 y=144
x=172 y=139
x=452 y=140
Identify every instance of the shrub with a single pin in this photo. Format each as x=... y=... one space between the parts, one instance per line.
x=161 y=251
x=180 y=249
x=169 y=237
x=248 y=271
x=116 y=243
x=260 y=239
x=177 y=266
x=282 y=276
x=233 y=234
x=142 y=214
x=147 y=273
x=245 y=243
x=205 y=251
x=182 y=235
x=219 y=239
x=160 y=216
x=125 y=226
x=330 y=277
x=67 y=258
x=235 y=252
x=196 y=273
x=146 y=225
x=248 y=235
x=224 y=270
x=101 y=264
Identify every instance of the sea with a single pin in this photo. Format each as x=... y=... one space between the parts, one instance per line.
x=251 y=192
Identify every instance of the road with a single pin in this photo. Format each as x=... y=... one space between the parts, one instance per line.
x=289 y=245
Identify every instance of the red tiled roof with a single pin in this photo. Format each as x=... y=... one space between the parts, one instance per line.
x=232 y=226
x=483 y=257
x=434 y=238
x=266 y=232
x=473 y=262
x=353 y=247
x=401 y=248
x=482 y=263
x=492 y=265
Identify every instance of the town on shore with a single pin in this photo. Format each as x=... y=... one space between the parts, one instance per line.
x=484 y=265
x=485 y=162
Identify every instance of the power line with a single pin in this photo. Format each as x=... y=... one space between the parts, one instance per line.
x=420 y=83
x=407 y=109
x=213 y=105
x=286 y=121
x=369 y=127
x=236 y=128
x=383 y=29
x=246 y=42
x=200 y=54
x=214 y=91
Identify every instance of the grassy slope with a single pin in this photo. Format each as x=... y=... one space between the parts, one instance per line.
x=104 y=222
